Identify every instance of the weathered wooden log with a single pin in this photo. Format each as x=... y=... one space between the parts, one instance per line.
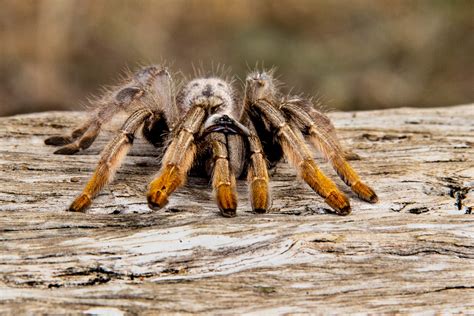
x=411 y=252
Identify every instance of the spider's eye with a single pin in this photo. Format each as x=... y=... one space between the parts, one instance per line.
x=194 y=85
x=220 y=84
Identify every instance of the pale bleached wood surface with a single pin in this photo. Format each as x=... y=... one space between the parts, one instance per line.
x=411 y=252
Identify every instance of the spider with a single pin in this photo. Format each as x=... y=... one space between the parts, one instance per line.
x=206 y=124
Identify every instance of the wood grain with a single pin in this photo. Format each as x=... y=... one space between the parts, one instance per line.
x=412 y=252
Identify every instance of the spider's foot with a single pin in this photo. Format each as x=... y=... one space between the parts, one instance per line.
x=58 y=140
x=226 y=200
x=80 y=204
x=67 y=150
x=364 y=192
x=339 y=202
x=350 y=155
x=228 y=212
x=157 y=199
x=163 y=186
x=260 y=196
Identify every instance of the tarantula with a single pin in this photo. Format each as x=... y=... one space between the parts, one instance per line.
x=207 y=125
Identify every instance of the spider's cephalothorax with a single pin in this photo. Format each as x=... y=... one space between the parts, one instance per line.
x=207 y=125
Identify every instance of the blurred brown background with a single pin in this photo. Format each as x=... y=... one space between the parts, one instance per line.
x=354 y=54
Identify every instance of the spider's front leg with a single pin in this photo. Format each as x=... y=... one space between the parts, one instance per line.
x=261 y=102
x=120 y=98
x=178 y=158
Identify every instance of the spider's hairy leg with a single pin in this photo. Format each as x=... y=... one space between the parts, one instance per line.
x=299 y=155
x=224 y=137
x=258 y=177
x=257 y=173
x=323 y=137
x=223 y=178
x=177 y=160
x=110 y=160
x=67 y=139
x=81 y=138
x=113 y=101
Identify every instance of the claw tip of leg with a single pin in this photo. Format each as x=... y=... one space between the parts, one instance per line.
x=57 y=140
x=153 y=206
x=80 y=204
x=72 y=209
x=374 y=198
x=346 y=210
x=339 y=202
x=260 y=210
x=228 y=212
x=156 y=201
x=66 y=151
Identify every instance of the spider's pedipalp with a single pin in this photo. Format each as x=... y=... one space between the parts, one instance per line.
x=257 y=175
x=223 y=178
x=224 y=138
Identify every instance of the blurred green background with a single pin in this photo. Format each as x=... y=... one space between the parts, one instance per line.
x=354 y=54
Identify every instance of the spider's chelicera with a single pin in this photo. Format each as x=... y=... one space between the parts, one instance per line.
x=207 y=124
